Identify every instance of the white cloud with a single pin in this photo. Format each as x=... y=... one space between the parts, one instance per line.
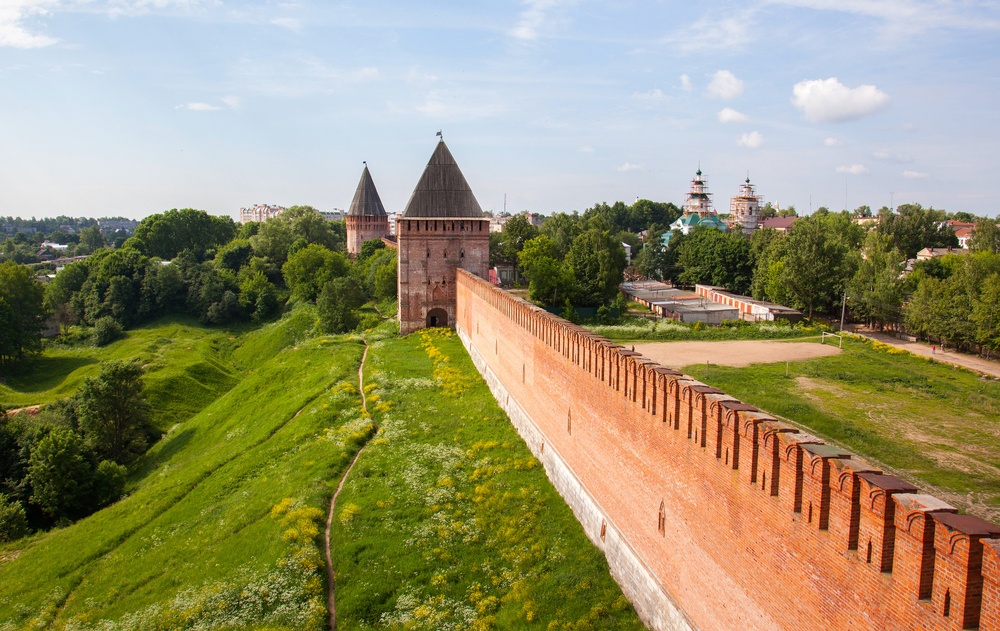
x=712 y=33
x=292 y=24
x=686 y=83
x=653 y=96
x=908 y=17
x=751 y=140
x=725 y=85
x=13 y=14
x=729 y=115
x=586 y=149
x=854 y=169
x=831 y=101
x=628 y=166
x=233 y=102
x=915 y=175
x=832 y=142
x=533 y=19
x=198 y=107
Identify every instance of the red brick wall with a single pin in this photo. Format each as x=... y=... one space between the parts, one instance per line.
x=764 y=526
x=430 y=250
x=361 y=228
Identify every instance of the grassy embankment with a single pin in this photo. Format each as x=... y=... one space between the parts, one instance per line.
x=932 y=423
x=447 y=520
x=220 y=525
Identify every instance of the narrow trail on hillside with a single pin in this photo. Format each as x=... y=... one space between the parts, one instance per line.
x=331 y=603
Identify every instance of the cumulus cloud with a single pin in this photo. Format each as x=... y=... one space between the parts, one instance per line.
x=725 y=85
x=854 y=169
x=686 y=83
x=653 y=96
x=915 y=175
x=830 y=101
x=729 y=115
x=751 y=140
x=832 y=142
x=628 y=166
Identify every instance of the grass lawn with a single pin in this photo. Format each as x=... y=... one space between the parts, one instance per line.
x=667 y=331
x=447 y=521
x=934 y=424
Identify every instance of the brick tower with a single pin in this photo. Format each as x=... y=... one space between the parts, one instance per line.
x=366 y=220
x=442 y=229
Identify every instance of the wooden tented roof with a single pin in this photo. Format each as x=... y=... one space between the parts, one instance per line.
x=366 y=200
x=442 y=190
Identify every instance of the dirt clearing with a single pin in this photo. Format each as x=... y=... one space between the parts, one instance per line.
x=739 y=353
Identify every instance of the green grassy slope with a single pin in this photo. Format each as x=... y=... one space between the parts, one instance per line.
x=927 y=421
x=199 y=540
x=187 y=367
x=448 y=522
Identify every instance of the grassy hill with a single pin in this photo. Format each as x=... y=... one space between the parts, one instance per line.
x=222 y=524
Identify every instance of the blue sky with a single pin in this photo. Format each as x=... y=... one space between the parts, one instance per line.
x=130 y=107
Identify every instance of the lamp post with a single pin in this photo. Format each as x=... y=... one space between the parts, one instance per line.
x=843 y=308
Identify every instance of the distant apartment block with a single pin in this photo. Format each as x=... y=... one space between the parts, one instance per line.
x=111 y=225
x=260 y=212
x=337 y=214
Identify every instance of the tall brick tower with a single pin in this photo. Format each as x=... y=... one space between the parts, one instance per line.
x=442 y=229
x=366 y=219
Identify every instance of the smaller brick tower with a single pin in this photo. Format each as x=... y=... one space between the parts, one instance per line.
x=367 y=219
x=442 y=229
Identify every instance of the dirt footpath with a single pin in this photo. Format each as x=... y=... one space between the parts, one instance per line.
x=739 y=353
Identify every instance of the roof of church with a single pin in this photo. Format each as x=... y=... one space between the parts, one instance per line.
x=442 y=190
x=366 y=200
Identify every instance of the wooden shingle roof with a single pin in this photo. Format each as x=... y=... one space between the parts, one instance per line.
x=366 y=200
x=442 y=190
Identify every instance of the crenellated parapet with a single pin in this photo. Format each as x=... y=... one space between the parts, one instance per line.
x=808 y=532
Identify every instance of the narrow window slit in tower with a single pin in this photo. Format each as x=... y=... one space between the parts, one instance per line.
x=604 y=529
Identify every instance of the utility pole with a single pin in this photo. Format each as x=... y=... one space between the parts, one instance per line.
x=843 y=307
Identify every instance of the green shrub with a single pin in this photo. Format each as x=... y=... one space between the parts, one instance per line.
x=13 y=521
x=107 y=330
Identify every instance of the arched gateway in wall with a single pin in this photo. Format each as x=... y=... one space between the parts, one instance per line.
x=437 y=317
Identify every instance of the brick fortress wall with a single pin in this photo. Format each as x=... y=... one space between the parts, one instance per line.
x=712 y=514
